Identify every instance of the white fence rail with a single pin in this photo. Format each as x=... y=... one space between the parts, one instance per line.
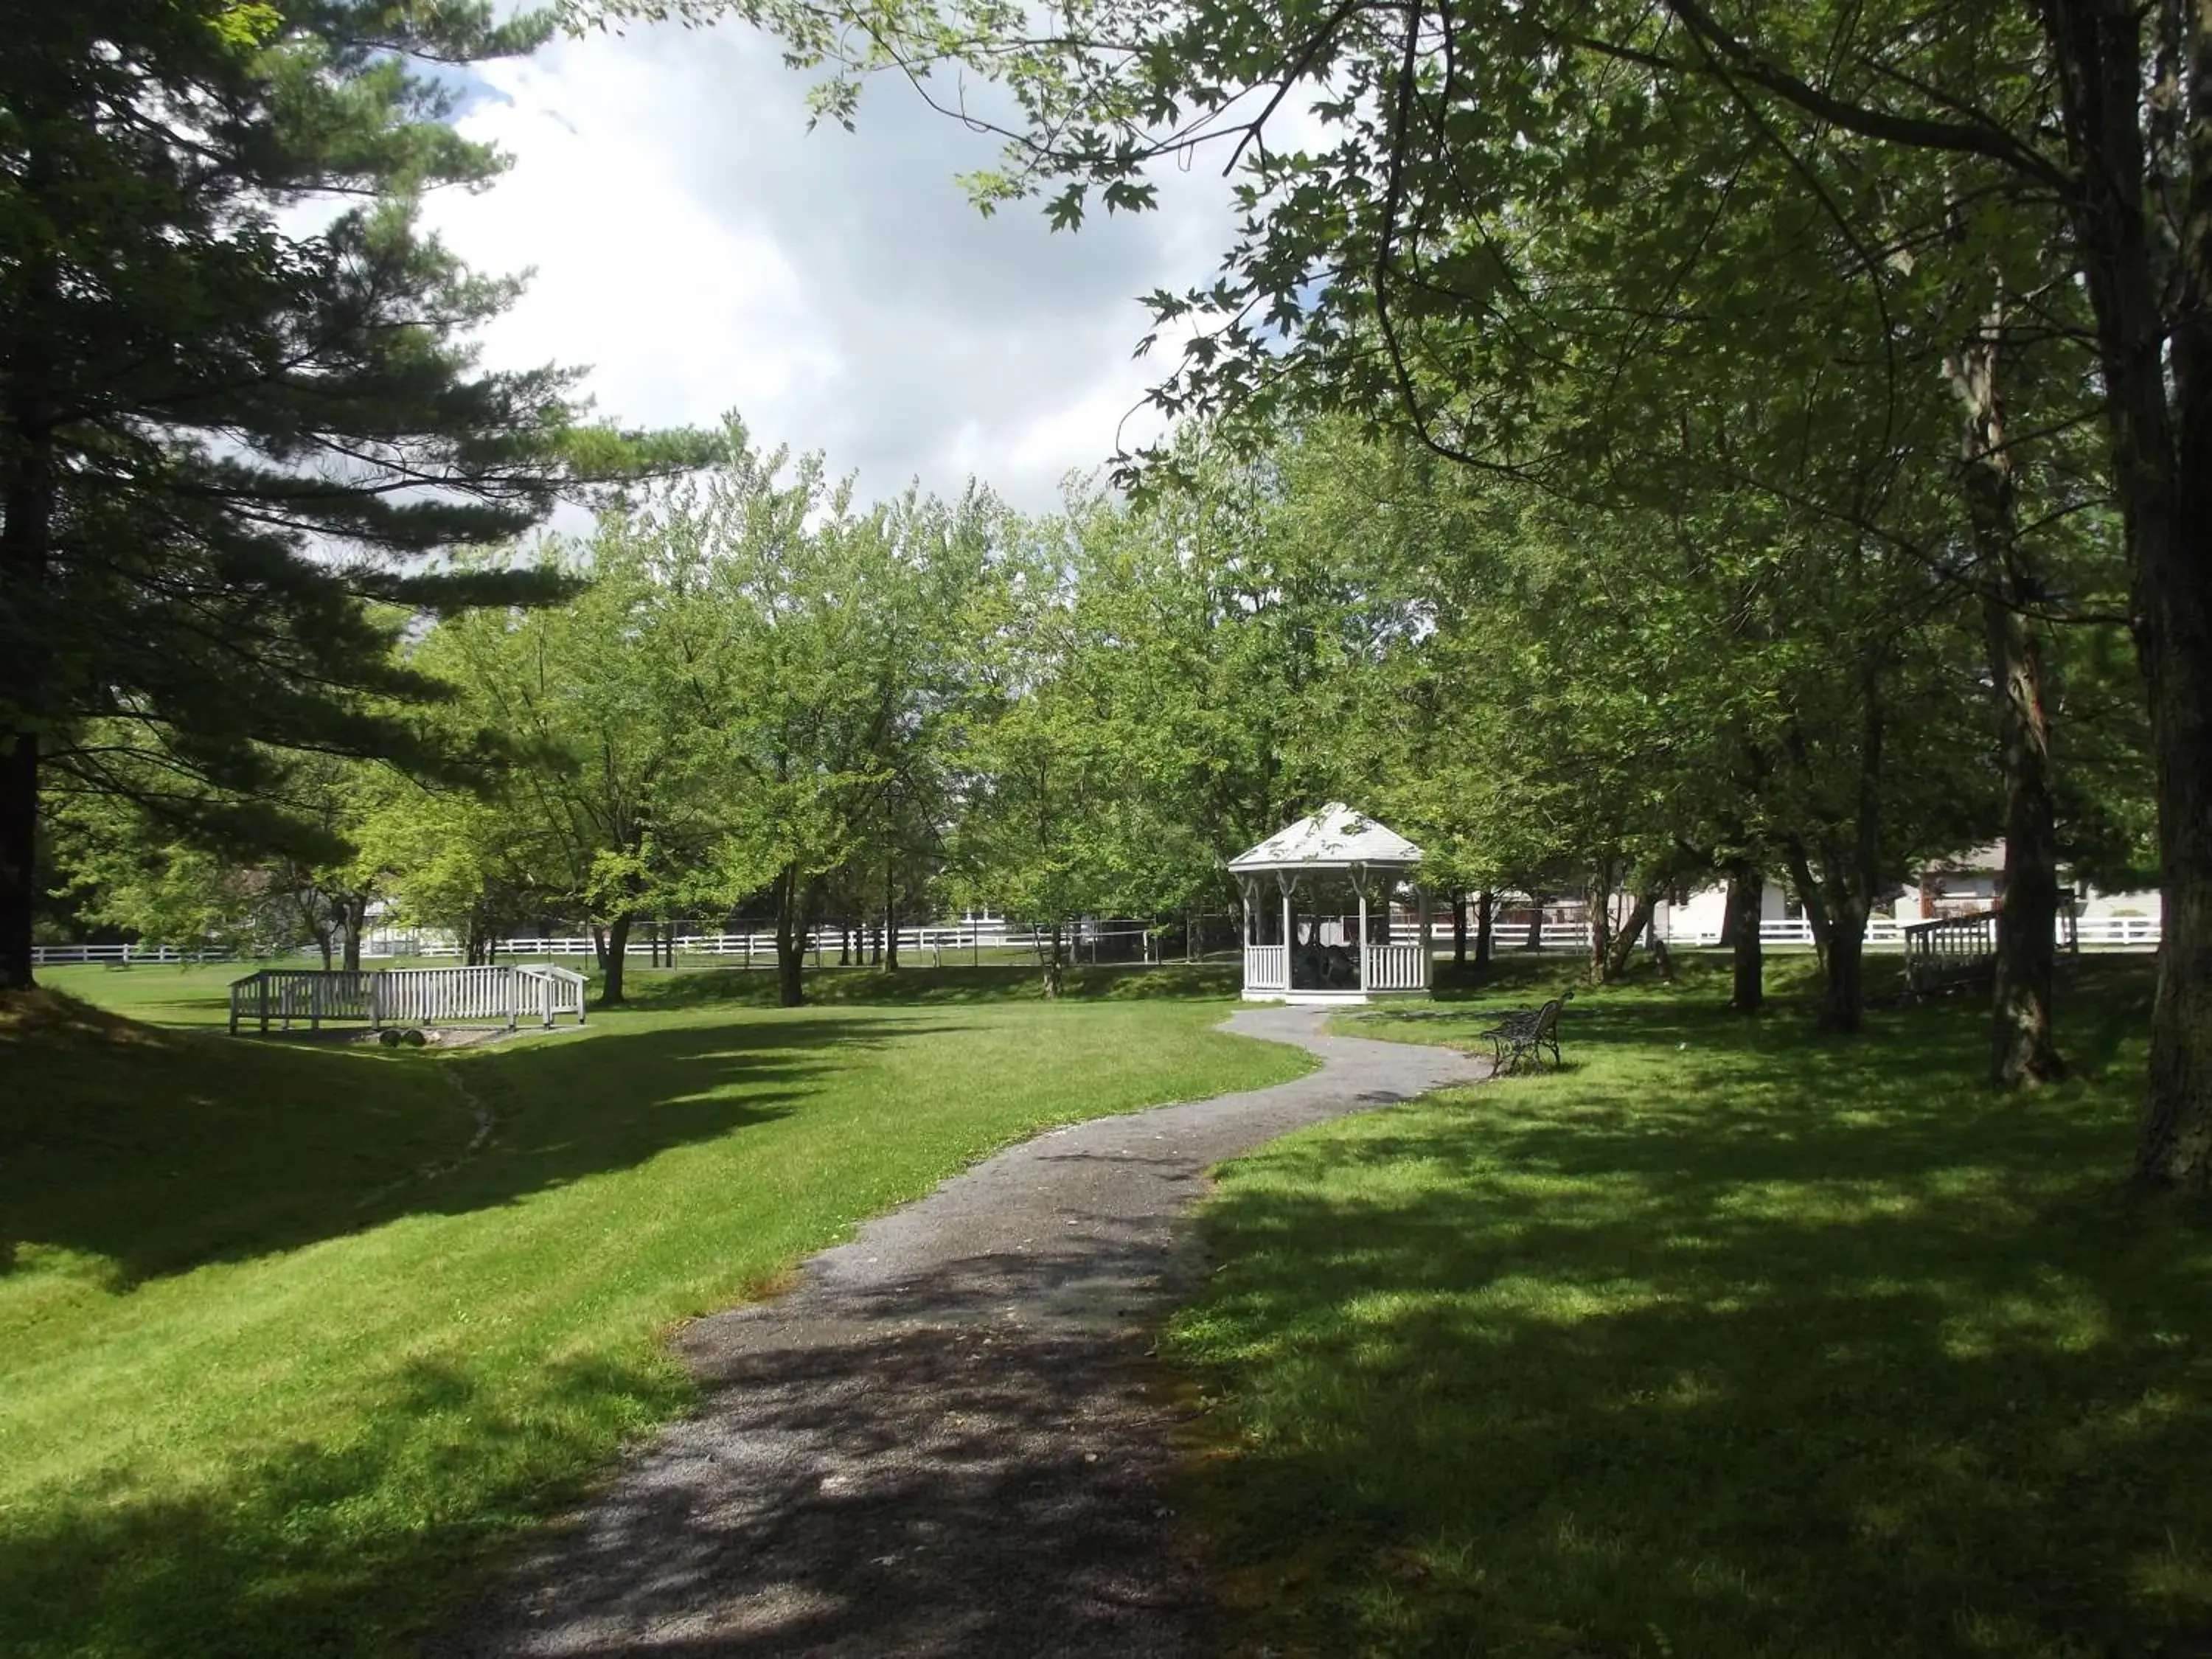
x=406 y=996
x=952 y=943
x=936 y=944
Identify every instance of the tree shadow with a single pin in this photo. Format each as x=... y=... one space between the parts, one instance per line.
x=251 y=1569
x=900 y=1472
x=161 y=1151
x=1798 y=1349
x=896 y=1472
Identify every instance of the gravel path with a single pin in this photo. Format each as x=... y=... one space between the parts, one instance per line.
x=947 y=1440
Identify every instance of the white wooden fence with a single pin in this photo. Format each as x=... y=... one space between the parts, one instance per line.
x=503 y=995
x=939 y=945
x=1883 y=934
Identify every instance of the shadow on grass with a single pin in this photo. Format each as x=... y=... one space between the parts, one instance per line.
x=965 y=1508
x=894 y=1471
x=284 y=1559
x=1729 y=1343
x=162 y=1151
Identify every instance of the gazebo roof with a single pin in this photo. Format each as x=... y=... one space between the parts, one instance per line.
x=1335 y=838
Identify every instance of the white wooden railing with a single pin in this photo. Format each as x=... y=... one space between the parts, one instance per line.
x=1393 y=968
x=1267 y=968
x=406 y=996
x=544 y=991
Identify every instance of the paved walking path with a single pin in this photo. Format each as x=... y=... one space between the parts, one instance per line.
x=947 y=1440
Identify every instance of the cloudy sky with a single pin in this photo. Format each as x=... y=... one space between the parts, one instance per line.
x=703 y=251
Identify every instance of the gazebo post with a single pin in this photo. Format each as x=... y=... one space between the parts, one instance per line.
x=1359 y=887
x=1286 y=881
x=1428 y=949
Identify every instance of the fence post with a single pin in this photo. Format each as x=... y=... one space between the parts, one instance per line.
x=315 y=1004
x=513 y=1012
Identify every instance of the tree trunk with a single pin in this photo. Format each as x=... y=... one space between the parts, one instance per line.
x=1837 y=913
x=1485 y=908
x=19 y=852
x=1053 y=962
x=1458 y=930
x=1624 y=943
x=1536 y=940
x=357 y=923
x=29 y=499
x=1597 y=904
x=2175 y=1148
x=1808 y=895
x=617 y=957
x=790 y=938
x=2021 y=1053
x=1747 y=885
x=1843 y=993
x=2151 y=318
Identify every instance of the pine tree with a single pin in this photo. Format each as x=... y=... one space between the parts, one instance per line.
x=238 y=405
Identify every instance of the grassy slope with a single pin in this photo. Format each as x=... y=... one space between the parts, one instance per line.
x=1725 y=1341
x=263 y=1388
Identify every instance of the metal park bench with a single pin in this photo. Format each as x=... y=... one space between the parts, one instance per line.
x=1523 y=1035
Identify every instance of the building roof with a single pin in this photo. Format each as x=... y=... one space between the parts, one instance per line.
x=1335 y=838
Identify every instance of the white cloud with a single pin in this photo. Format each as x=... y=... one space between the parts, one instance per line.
x=703 y=251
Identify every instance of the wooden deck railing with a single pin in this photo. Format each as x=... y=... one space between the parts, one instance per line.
x=407 y=996
x=1949 y=950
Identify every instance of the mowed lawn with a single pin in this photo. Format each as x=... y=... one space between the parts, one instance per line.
x=280 y=1361
x=1727 y=1340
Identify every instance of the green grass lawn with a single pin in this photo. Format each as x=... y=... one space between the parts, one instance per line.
x=268 y=1388
x=1726 y=1340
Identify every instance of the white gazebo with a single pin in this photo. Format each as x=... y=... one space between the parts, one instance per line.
x=1303 y=953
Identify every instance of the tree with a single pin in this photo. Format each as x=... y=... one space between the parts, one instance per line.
x=605 y=799
x=1060 y=814
x=238 y=403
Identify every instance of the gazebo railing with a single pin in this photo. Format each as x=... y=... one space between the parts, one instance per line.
x=1393 y=968
x=1267 y=968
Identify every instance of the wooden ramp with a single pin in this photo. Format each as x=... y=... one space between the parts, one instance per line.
x=504 y=996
